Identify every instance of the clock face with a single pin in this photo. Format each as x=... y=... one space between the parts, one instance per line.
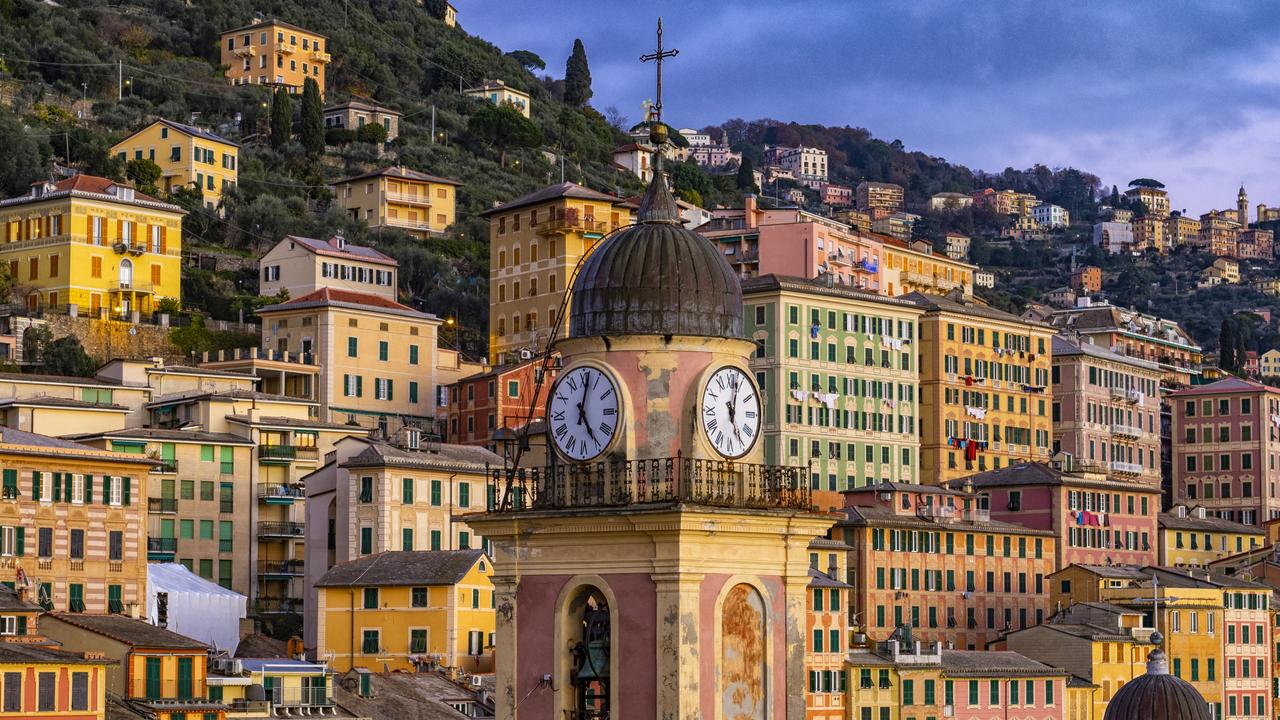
x=731 y=412
x=583 y=413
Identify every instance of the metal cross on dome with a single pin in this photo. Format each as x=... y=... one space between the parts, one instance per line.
x=657 y=57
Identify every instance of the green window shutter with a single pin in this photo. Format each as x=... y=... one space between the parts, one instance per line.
x=413 y=354
x=206 y=453
x=435 y=493
x=106 y=489
x=435 y=539
x=127 y=483
x=153 y=678
x=88 y=489
x=406 y=539
x=35 y=484
x=382 y=350
x=57 y=487
x=413 y=391
x=390 y=389
x=359 y=386
x=351 y=347
x=22 y=624
x=464 y=495
x=406 y=493
x=184 y=678
x=19 y=545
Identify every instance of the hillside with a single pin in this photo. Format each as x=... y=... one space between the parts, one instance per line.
x=392 y=51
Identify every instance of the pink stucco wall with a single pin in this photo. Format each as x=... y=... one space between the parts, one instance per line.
x=635 y=612
x=985 y=710
x=712 y=584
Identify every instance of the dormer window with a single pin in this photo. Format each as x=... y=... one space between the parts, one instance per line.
x=413 y=438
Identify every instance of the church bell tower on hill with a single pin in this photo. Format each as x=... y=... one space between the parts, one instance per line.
x=658 y=568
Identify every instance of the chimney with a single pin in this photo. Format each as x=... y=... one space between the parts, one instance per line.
x=749 y=210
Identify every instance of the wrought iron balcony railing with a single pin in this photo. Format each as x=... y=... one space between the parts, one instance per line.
x=661 y=480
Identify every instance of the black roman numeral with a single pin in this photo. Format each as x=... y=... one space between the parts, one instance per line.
x=558 y=415
x=606 y=428
x=746 y=430
x=711 y=425
x=609 y=411
x=561 y=429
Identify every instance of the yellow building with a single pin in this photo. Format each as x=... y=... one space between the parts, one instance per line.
x=1149 y=231
x=355 y=115
x=58 y=685
x=1191 y=537
x=90 y=242
x=535 y=244
x=73 y=523
x=399 y=199
x=298 y=265
x=1156 y=200
x=984 y=388
x=498 y=92
x=155 y=669
x=906 y=269
x=187 y=156
x=374 y=496
x=408 y=608
x=376 y=356
x=274 y=52
x=1103 y=646
x=291 y=688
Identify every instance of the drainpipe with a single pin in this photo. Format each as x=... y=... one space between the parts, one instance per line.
x=449 y=522
x=351 y=658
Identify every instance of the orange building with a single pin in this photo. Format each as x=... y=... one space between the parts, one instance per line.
x=827 y=625
x=1087 y=279
x=274 y=52
x=500 y=397
x=930 y=558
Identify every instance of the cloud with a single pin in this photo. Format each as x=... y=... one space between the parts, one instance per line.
x=1178 y=90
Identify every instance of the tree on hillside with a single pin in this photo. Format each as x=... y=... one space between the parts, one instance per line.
x=144 y=173
x=528 y=59
x=1227 y=346
x=311 y=125
x=21 y=162
x=281 y=119
x=1146 y=183
x=577 y=76
x=503 y=127
x=746 y=181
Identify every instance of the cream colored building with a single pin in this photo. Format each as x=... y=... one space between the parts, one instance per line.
x=535 y=242
x=1156 y=200
x=274 y=52
x=1182 y=230
x=299 y=265
x=399 y=198
x=916 y=268
x=187 y=156
x=377 y=358
x=372 y=497
x=498 y=92
x=354 y=115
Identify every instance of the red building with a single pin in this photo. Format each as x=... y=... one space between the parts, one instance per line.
x=500 y=397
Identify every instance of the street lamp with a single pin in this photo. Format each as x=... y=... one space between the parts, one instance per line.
x=84 y=99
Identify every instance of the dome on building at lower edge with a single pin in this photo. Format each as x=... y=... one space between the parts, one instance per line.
x=1157 y=695
x=656 y=278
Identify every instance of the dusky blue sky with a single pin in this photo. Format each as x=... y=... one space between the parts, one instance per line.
x=1185 y=92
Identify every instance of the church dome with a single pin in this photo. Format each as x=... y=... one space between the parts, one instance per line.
x=656 y=278
x=1157 y=695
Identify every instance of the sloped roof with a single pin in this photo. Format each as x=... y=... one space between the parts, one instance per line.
x=987 y=663
x=191 y=130
x=403 y=567
x=1066 y=347
x=817 y=578
x=359 y=252
x=92 y=187
x=23 y=442
x=1036 y=473
x=53 y=401
x=358 y=105
x=14 y=653
x=938 y=303
x=273 y=21
x=1207 y=523
x=401 y=173
x=472 y=458
x=134 y=633
x=771 y=281
x=333 y=297
x=552 y=192
x=1225 y=385
x=10 y=602
x=176 y=435
x=885 y=517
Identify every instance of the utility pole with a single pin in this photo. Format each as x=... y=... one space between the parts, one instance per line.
x=119 y=80
x=433 y=124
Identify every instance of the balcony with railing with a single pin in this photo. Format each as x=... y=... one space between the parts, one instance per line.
x=165 y=466
x=161 y=549
x=280 y=568
x=280 y=530
x=301 y=697
x=1128 y=431
x=277 y=605
x=258 y=353
x=408 y=224
x=277 y=453
x=1126 y=468
x=573 y=222
x=869 y=266
x=245 y=51
x=658 y=481
x=409 y=198
x=280 y=493
x=320 y=56
x=162 y=505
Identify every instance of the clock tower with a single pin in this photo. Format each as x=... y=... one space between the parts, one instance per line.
x=657 y=568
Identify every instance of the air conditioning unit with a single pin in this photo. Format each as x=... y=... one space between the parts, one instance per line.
x=476 y=681
x=526 y=354
x=948 y=711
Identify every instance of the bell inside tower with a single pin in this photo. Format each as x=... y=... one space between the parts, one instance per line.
x=591 y=653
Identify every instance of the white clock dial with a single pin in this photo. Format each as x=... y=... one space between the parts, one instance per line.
x=731 y=412
x=583 y=413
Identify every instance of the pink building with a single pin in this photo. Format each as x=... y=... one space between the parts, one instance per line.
x=1001 y=684
x=837 y=195
x=1098 y=521
x=1106 y=409
x=1225 y=435
x=790 y=241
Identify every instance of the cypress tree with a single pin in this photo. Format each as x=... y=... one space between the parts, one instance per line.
x=281 y=119
x=577 y=76
x=1227 y=346
x=746 y=178
x=311 y=126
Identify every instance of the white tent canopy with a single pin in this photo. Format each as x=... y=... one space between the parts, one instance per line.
x=200 y=609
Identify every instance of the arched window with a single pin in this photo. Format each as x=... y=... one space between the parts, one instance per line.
x=590 y=647
x=126 y=273
x=743 y=643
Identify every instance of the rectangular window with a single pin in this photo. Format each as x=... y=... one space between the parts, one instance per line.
x=366 y=540
x=371 y=598
x=370 y=644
